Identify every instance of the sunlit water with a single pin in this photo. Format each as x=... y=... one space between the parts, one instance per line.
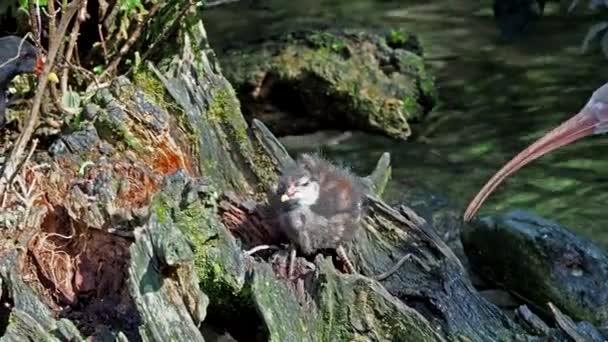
x=496 y=99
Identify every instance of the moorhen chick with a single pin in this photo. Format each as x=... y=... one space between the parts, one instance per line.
x=319 y=206
x=17 y=56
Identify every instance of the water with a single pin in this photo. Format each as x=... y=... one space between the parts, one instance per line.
x=496 y=99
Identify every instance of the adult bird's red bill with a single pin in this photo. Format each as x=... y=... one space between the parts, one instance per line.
x=592 y=119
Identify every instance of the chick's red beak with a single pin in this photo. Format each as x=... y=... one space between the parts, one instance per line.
x=593 y=119
x=291 y=190
x=39 y=65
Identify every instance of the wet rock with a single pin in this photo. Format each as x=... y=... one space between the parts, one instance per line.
x=344 y=80
x=590 y=332
x=542 y=262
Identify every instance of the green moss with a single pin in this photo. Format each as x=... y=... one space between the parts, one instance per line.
x=264 y=170
x=225 y=111
x=396 y=39
x=326 y=40
x=114 y=130
x=150 y=84
x=216 y=255
x=414 y=64
x=410 y=106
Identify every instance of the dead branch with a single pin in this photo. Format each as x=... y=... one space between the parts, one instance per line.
x=102 y=41
x=52 y=18
x=35 y=21
x=219 y=3
x=166 y=31
x=129 y=43
x=72 y=43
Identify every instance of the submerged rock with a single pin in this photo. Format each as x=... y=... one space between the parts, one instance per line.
x=344 y=80
x=542 y=262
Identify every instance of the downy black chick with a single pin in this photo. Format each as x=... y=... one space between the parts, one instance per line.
x=319 y=206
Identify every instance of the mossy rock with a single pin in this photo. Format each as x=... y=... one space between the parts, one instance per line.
x=343 y=80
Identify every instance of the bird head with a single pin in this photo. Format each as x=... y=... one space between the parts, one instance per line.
x=592 y=119
x=298 y=187
x=25 y=55
x=18 y=56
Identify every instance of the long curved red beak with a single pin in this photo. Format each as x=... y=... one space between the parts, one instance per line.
x=593 y=119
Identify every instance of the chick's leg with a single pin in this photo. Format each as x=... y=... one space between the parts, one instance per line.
x=341 y=252
x=292 y=261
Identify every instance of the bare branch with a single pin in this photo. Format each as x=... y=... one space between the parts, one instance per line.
x=73 y=39
x=129 y=43
x=52 y=18
x=168 y=30
x=219 y=3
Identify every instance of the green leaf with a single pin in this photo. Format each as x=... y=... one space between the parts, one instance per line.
x=98 y=69
x=71 y=101
x=24 y=4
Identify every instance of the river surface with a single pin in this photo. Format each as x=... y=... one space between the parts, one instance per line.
x=495 y=99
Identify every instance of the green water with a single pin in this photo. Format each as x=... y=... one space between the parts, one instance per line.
x=496 y=99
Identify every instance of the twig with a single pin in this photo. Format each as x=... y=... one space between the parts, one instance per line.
x=35 y=20
x=260 y=248
x=52 y=28
x=72 y=43
x=52 y=18
x=102 y=40
x=165 y=32
x=218 y=3
x=13 y=160
x=129 y=43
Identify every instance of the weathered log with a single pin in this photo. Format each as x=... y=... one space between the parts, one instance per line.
x=541 y=262
x=169 y=308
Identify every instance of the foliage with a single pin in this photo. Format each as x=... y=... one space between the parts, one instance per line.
x=25 y=3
